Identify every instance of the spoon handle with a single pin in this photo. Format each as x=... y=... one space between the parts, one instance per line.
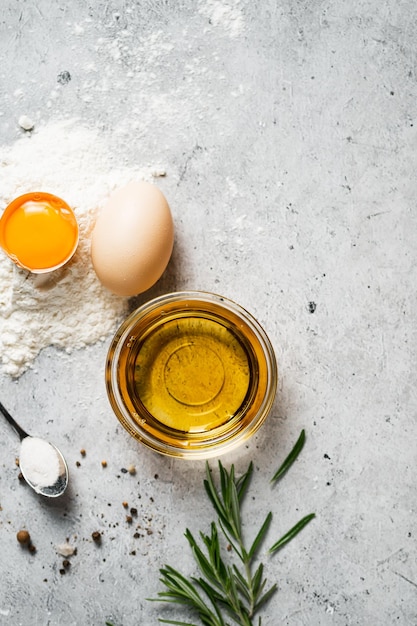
x=22 y=434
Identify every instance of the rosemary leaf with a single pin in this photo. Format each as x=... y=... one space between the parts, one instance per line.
x=299 y=444
x=184 y=592
x=242 y=584
x=212 y=494
x=223 y=479
x=213 y=545
x=291 y=533
x=169 y=598
x=235 y=508
x=258 y=583
x=243 y=482
x=260 y=536
x=226 y=493
x=216 y=565
x=264 y=599
x=236 y=606
x=182 y=588
x=215 y=598
x=201 y=560
x=168 y=621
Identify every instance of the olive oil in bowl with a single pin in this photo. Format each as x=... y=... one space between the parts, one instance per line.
x=191 y=374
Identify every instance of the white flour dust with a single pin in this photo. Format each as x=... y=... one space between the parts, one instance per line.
x=227 y=15
x=73 y=309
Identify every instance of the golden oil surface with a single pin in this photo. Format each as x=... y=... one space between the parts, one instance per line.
x=192 y=374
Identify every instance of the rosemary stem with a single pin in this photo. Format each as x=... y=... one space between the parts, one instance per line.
x=246 y=560
x=249 y=579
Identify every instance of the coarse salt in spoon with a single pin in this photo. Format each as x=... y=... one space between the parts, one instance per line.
x=41 y=463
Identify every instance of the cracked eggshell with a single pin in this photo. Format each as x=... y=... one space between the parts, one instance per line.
x=132 y=239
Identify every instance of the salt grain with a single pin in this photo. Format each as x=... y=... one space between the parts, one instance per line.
x=65 y=549
x=25 y=122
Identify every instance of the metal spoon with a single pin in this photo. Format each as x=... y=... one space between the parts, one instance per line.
x=41 y=463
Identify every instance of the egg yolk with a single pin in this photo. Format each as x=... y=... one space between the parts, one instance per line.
x=39 y=231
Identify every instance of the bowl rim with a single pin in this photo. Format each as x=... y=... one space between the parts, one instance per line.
x=218 y=446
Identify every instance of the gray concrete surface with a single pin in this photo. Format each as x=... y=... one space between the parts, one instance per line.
x=288 y=133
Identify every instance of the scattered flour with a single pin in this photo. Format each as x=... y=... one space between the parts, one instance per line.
x=71 y=308
x=227 y=15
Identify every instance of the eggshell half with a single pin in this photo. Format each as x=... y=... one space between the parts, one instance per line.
x=132 y=239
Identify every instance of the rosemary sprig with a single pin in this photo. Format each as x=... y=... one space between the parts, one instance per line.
x=224 y=591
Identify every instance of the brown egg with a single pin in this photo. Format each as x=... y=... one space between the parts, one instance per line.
x=132 y=239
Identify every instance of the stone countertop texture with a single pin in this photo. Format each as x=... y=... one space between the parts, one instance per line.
x=288 y=133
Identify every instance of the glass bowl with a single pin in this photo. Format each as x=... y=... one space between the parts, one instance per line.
x=191 y=374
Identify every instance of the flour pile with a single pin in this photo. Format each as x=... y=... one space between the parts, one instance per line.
x=70 y=308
